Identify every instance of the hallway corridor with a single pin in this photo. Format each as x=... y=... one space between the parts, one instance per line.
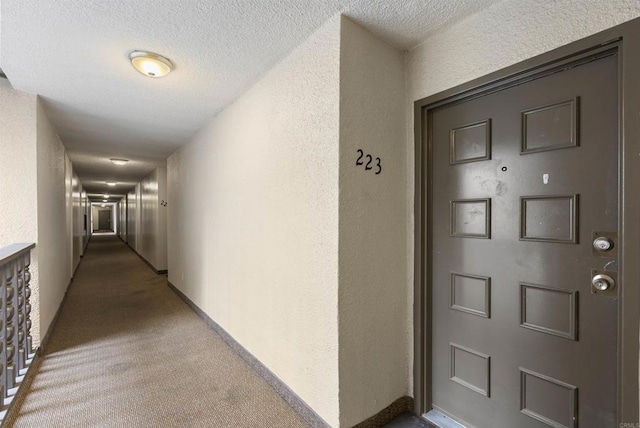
x=127 y=352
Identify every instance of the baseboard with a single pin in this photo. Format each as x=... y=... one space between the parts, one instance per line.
x=297 y=403
x=158 y=272
x=73 y=275
x=386 y=415
x=45 y=339
x=85 y=245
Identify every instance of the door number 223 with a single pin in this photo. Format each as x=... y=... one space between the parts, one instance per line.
x=369 y=165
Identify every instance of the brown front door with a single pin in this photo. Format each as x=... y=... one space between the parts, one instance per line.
x=523 y=181
x=104 y=220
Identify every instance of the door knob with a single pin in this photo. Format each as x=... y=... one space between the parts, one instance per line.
x=603 y=282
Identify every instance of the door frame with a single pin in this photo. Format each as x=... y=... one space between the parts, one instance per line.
x=624 y=41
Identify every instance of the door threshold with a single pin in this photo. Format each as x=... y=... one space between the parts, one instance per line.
x=441 y=420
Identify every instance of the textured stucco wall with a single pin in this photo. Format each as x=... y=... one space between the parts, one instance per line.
x=19 y=181
x=132 y=211
x=87 y=211
x=137 y=217
x=148 y=213
x=53 y=276
x=68 y=195
x=152 y=233
x=373 y=297
x=114 y=218
x=253 y=220
x=33 y=196
x=17 y=165
x=94 y=218
x=161 y=224
x=84 y=204
x=122 y=219
x=76 y=212
x=501 y=35
x=504 y=34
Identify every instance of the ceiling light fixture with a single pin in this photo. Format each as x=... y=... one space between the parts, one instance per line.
x=111 y=183
x=105 y=195
x=119 y=161
x=150 y=64
x=103 y=205
x=105 y=200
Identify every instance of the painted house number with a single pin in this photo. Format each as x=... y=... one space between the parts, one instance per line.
x=369 y=166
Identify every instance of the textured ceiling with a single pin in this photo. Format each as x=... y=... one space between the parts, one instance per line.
x=74 y=54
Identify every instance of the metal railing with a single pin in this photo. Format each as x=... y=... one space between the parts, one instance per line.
x=16 y=351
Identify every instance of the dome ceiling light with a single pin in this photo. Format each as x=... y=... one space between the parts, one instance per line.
x=119 y=161
x=150 y=64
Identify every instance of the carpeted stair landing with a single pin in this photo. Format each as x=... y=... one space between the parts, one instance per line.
x=127 y=352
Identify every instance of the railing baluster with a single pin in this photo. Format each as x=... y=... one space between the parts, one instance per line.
x=21 y=362
x=11 y=321
x=27 y=306
x=16 y=350
x=3 y=342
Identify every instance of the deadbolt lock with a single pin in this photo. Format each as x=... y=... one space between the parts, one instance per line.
x=604 y=244
x=603 y=282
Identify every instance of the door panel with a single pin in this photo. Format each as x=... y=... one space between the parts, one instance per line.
x=104 y=219
x=522 y=178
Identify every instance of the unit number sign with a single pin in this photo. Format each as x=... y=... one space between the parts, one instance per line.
x=369 y=164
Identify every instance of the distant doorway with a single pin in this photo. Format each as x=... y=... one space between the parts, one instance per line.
x=104 y=220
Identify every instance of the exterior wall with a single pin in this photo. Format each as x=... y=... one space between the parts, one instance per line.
x=373 y=299
x=52 y=216
x=504 y=34
x=253 y=220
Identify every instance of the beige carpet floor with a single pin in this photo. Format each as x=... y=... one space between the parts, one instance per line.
x=127 y=352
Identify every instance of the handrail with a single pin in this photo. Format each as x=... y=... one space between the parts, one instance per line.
x=16 y=352
x=13 y=251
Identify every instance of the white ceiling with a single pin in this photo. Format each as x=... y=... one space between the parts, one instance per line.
x=74 y=53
